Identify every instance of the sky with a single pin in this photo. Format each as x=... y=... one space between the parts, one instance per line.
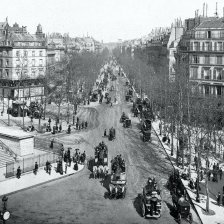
x=105 y=20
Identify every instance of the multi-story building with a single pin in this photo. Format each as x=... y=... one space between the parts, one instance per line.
x=55 y=48
x=204 y=47
x=22 y=62
x=175 y=34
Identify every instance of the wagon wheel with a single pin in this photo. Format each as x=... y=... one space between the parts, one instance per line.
x=143 y=209
x=190 y=218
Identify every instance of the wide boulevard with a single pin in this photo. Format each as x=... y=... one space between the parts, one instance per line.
x=81 y=199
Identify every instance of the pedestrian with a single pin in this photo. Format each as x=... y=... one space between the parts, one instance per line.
x=69 y=161
x=18 y=173
x=60 y=128
x=49 y=120
x=218 y=198
x=76 y=166
x=77 y=119
x=201 y=174
x=209 y=175
x=69 y=153
x=86 y=124
x=220 y=173
x=77 y=126
x=160 y=128
x=105 y=132
x=66 y=166
x=35 y=168
x=52 y=144
x=62 y=150
x=47 y=166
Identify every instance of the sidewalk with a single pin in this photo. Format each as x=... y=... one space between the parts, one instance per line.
x=218 y=211
x=29 y=180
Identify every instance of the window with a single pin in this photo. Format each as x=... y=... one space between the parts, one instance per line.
x=0 y=62
x=207 y=74
x=17 y=53
x=219 y=90
x=7 y=72
x=207 y=59
x=41 y=62
x=25 y=63
x=195 y=59
x=196 y=46
x=194 y=72
x=207 y=90
x=0 y=73
x=33 y=62
x=203 y=46
x=6 y=63
x=25 y=53
x=17 y=63
x=219 y=46
x=33 y=53
x=219 y=60
x=215 y=46
x=209 y=34
x=219 y=74
x=41 y=53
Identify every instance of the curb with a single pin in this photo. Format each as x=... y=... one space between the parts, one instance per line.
x=49 y=181
x=181 y=179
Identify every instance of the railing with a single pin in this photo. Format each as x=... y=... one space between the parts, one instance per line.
x=8 y=150
x=27 y=164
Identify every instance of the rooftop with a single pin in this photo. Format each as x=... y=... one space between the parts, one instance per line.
x=11 y=132
x=217 y=23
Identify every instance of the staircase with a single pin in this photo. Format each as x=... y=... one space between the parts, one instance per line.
x=5 y=158
x=6 y=154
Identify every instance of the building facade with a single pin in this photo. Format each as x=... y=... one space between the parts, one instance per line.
x=22 y=63
x=206 y=61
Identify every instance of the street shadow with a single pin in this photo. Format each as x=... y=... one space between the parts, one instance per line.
x=137 y=204
x=173 y=212
x=105 y=182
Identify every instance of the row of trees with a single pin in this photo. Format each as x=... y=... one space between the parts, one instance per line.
x=74 y=77
x=196 y=121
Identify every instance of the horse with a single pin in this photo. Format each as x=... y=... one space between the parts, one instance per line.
x=95 y=171
x=100 y=171
x=105 y=171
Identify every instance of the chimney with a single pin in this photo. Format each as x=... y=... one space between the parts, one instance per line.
x=206 y=10
x=203 y=9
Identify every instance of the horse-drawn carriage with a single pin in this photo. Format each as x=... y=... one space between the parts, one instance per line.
x=100 y=166
x=151 y=200
x=182 y=208
x=180 y=203
x=123 y=117
x=117 y=186
x=146 y=127
x=35 y=109
x=18 y=109
x=112 y=134
x=127 y=123
x=94 y=96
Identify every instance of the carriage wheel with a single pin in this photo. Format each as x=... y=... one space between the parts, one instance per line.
x=190 y=218
x=143 y=209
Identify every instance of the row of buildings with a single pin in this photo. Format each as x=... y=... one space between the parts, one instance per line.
x=196 y=45
x=25 y=58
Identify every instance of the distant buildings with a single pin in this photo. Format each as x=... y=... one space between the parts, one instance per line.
x=25 y=58
x=22 y=62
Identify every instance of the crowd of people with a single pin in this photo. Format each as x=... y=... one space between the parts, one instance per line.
x=101 y=151
x=118 y=164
